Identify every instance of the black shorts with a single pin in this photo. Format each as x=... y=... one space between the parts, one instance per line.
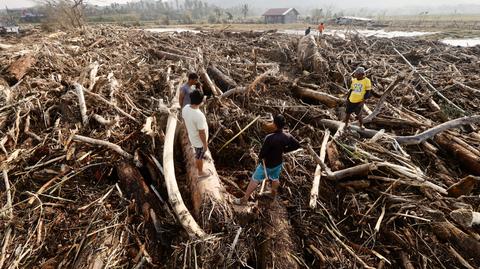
x=199 y=153
x=354 y=108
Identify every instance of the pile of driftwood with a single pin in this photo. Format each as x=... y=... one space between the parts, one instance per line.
x=98 y=172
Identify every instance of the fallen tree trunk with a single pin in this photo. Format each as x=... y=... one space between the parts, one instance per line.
x=174 y=196
x=464 y=156
x=169 y=56
x=411 y=139
x=317 y=176
x=448 y=232
x=308 y=56
x=17 y=70
x=223 y=81
x=275 y=247
x=209 y=203
x=205 y=77
x=324 y=98
x=359 y=170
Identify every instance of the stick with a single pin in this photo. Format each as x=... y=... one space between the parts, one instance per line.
x=235 y=241
x=428 y=83
x=81 y=103
x=9 y=194
x=459 y=258
x=379 y=106
x=317 y=176
x=379 y=221
x=239 y=133
x=266 y=177
x=27 y=130
x=107 y=144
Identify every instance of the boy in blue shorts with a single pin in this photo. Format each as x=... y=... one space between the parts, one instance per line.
x=271 y=155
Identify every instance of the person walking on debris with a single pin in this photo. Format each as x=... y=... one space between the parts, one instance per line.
x=185 y=90
x=321 y=28
x=360 y=90
x=197 y=128
x=307 y=32
x=273 y=148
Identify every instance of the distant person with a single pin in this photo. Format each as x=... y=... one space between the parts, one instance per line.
x=197 y=128
x=307 y=32
x=321 y=28
x=185 y=90
x=271 y=159
x=360 y=90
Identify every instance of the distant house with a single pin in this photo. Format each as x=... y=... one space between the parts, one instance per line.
x=281 y=15
x=353 y=20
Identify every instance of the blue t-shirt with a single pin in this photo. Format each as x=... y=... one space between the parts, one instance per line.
x=185 y=89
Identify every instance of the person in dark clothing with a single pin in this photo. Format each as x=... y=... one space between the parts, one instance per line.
x=271 y=156
x=185 y=90
x=307 y=32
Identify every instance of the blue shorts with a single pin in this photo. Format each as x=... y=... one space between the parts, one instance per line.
x=273 y=173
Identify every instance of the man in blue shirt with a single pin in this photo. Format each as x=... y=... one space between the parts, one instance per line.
x=185 y=90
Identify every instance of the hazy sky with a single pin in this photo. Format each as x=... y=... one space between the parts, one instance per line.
x=289 y=3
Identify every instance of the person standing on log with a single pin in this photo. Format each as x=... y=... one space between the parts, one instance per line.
x=321 y=28
x=185 y=90
x=197 y=128
x=271 y=156
x=360 y=90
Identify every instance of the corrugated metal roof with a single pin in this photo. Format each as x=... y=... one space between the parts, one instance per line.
x=278 y=11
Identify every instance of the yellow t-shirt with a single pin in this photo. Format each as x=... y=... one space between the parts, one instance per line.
x=359 y=89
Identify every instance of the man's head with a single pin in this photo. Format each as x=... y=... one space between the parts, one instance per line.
x=192 y=79
x=321 y=23
x=359 y=73
x=279 y=121
x=196 y=97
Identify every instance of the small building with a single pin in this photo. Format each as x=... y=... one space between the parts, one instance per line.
x=281 y=15
x=353 y=20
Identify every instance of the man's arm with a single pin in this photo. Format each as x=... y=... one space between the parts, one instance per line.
x=368 y=90
x=180 y=97
x=203 y=137
x=292 y=144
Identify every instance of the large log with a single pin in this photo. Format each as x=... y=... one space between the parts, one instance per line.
x=174 y=196
x=308 y=56
x=147 y=203
x=317 y=176
x=223 y=81
x=208 y=194
x=465 y=157
x=448 y=232
x=19 y=68
x=324 y=98
x=169 y=56
x=410 y=139
x=275 y=247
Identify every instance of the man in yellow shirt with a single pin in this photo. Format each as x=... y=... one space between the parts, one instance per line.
x=360 y=90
